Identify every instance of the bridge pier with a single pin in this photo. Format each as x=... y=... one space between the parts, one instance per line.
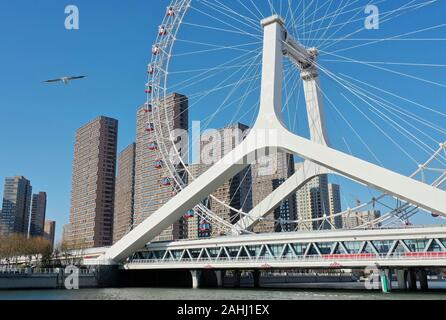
x=386 y=280
x=256 y=277
x=196 y=274
x=220 y=274
x=401 y=275
x=237 y=278
x=422 y=277
x=412 y=280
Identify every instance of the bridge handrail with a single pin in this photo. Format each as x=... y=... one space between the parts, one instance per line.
x=328 y=257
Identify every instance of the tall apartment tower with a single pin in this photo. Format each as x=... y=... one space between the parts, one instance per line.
x=38 y=212
x=313 y=202
x=334 y=195
x=49 y=231
x=236 y=193
x=124 y=193
x=358 y=218
x=152 y=189
x=268 y=174
x=15 y=213
x=93 y=184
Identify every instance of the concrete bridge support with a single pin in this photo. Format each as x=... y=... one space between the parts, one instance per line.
x=256 y=277
x=386 y=280
x=401 y=275
x=422 y=277
x=412 y=280
x=220 y=274
x=237 y=278
x=196 y=275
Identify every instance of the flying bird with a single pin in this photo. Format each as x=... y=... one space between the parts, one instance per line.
x=65 y=80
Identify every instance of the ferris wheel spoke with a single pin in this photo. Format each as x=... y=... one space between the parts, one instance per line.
x=389 y=70
x=326 y=14
x=246 y=57
x=201 y=26
x=410 y=64
x=423 y=107
x=341 y=26
x=250 y=22
x=217 y=46
x=330 y=15
x=400 y=112
x=222 y=21
x=230 y=94
x=207 y=69
x=369 y=119
x=386 y=17
x=334 y=18
x=235 y=48
x=395 y=38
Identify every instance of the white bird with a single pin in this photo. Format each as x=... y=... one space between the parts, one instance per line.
x=65 y=80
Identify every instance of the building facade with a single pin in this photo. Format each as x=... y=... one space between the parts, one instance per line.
x=124 y=193
x=15 y=212
x=153 y=187
x=93 y=184
x=267 y=175
x=233 y=195
x=356 y=219
x=313 y=202
x=334 y=195
x=49 y=231
x=38 y=212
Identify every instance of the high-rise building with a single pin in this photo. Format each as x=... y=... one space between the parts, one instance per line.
x=313 y=202
x=236 y=193
x=49 y=231
x=93 y=184
x=124 y=193
x=38 y=211
x=15 y=213
x=66 y=234
x=361 y=218
x=268 y=174
x=153 y=187
x=334 y=194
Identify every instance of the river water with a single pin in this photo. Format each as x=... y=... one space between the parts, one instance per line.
x=215 y=294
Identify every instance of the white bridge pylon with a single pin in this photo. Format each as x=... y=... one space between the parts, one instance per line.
x=320 y=158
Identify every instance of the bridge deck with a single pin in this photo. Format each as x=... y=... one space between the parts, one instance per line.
x=323 y=249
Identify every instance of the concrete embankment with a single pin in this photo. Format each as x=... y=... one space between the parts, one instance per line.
x=46 y=280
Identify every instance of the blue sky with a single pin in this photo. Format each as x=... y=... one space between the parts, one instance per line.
x=112 y=48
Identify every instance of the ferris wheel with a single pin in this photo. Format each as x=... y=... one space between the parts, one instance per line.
x=379 y=66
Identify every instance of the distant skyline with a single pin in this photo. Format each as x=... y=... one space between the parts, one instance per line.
x=41 y=119
x=112 y=48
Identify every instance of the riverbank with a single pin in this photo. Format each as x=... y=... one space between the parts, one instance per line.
x=47 y=279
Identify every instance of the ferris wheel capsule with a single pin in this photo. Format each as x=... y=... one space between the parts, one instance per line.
x=158 y=164
x=190 y=214
x=170 y=12
x=147 y=107
x=150 y=127
x=155 y=50
x=149 y=88
x=166 y=182
x=153 y=146
x=150 y=69
x=162 y=31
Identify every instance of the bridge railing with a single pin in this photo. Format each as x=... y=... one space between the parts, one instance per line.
x=328 y=257
x=13 y=270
